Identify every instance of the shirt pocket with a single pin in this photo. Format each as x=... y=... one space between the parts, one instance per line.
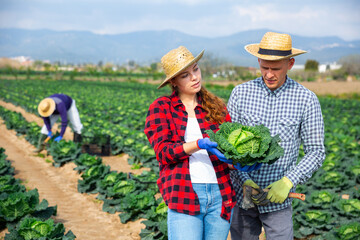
x=250 y=119
x=288 y=129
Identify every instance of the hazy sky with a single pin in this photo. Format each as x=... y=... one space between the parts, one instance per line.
x=209 y=18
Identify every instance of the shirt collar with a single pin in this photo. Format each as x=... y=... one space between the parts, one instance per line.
x=277 y=91
x=175 y=100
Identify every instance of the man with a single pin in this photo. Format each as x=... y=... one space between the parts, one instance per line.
x=53 y=107
x=290 y=110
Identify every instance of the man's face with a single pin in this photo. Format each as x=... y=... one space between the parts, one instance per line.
x=274 y=72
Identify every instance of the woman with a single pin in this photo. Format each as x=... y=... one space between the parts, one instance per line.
x=195 y=185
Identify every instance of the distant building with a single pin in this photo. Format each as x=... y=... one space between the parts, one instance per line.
x=322 y=67
x=24 y=61
x=329 y=66
x=298 y=67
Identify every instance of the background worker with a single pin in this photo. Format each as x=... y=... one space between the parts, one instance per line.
x=53 y=107
x=289 y=109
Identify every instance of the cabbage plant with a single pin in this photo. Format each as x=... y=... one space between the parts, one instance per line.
x=349 y=231
x=247 y=144
x=33 y=228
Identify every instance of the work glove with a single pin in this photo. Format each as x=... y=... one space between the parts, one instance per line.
x=49 y=134
x=207 y=144
x=57 y=139
x=251 y=183
x=260 y=198
x=247 y=168
x=279 y=190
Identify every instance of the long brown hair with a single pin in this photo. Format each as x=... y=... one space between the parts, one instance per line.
x=213 y=105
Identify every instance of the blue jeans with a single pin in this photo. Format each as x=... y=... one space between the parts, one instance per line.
x=208 y=225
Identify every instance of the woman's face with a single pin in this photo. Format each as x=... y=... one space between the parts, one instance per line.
x=188 y=81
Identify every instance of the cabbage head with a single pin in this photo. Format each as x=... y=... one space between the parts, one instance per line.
x=247 y=144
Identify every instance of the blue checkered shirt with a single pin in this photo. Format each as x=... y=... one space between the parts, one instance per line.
x=293 y=112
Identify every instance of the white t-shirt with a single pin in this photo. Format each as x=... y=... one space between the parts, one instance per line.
x=201 y=168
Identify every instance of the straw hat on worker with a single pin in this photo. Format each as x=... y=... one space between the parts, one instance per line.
x=274 y=47
x=46 y=107
x=175 y=61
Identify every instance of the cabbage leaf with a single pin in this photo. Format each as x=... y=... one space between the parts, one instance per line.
x=247 y=144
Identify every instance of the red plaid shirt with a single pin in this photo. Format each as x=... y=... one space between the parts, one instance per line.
x=165 y=128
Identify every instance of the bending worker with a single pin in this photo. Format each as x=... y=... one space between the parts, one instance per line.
x=53 y=107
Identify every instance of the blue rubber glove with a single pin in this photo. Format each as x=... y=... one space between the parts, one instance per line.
x=205 y=143
x=57 y=139
x=210 y=146
x=247 y=168
x=49 y=134
x=220 y=156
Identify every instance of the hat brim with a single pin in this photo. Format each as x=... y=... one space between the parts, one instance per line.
x=166 y=81
x=51 y=109
x=253 y=49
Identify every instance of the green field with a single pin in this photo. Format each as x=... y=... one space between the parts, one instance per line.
x=117 y=110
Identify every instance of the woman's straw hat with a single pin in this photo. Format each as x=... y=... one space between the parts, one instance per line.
x=46 y=107
x=273 y=47
x=176 y=61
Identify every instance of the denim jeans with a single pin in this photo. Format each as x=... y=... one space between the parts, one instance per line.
x=208 y=225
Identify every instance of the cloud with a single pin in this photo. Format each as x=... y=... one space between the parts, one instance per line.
x=272 y=13
x=210 y=18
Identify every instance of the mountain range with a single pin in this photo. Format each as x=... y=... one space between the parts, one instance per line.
x=145 y=47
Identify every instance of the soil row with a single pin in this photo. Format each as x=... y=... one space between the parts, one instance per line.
x=80 y=213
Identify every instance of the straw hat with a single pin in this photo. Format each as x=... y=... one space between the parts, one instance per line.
x=176 y=61
x=273 y=47
x=46 y=107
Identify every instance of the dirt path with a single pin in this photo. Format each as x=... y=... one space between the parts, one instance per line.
x=80 y=213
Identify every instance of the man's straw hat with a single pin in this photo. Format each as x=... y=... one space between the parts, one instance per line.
x=273 y=47
x=46 y=107
x=176 y=61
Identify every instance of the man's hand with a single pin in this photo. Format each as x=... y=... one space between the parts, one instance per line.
x=279 y=190
x=49 y=134
x=260 y=198
x=57 y=139
x=251 y=183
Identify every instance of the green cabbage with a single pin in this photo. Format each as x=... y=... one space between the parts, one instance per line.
x=247 y=144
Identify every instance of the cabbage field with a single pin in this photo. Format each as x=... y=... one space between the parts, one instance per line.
x=117 y=111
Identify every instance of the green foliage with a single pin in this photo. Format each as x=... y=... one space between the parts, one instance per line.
x=63 y=151
x=246 y=144
x=85 y=161
x=311 y=65
x=120 y=115
x=91 y=177
x=33 y=228
x=349 y=231
x=156 y=223
x=349 y=207
x=16 y=205
x=322 y=199
x=8 y=184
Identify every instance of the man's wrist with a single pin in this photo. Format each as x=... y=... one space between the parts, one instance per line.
x=288 y=182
